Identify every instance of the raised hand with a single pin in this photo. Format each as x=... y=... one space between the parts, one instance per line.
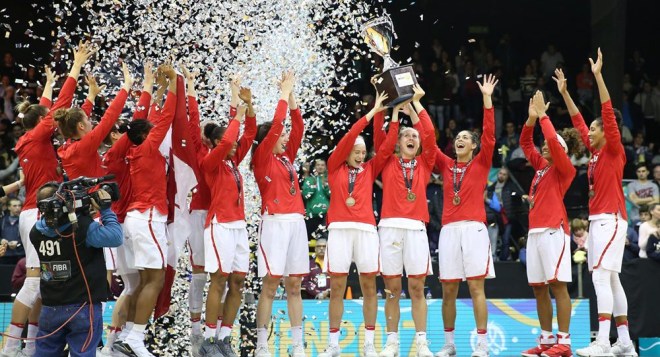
x=561 y=81
x=240 y=112
x=418 y=93
x=94 y=88
x=235 y=83
x=378 y=104
x=531 y=111
x=540 y=106
x=286 y=85
x=80 y=56
x=488 y=85
x=168 y=71
x=50 y=76
x=374 y=81
x=245 y=94
x=128 y=78
x=597 y=66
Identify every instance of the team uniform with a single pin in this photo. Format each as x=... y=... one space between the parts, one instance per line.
x=39 y=163
x=607 y=207
x=80 y=157
x=146 y=216
x=116 y=163
x=352 y=235
x=402 y=228
x=225 y=235
x=548 y=242
x=283 y=246
x=464 y=250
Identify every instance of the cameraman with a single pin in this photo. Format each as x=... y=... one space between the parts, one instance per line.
x=66 y=291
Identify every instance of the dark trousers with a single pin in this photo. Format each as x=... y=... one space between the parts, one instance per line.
x=74 y=333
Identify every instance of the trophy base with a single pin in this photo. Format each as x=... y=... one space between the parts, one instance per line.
x=397 y=83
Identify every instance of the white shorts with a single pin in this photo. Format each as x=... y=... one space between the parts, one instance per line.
x=125 y=259
x=283 y=247
x=464 y=252
x=149 y=242
x=606 y=243
x=404 y=248
x=228 y=250
x=110 y=255
x=26 y=220
x=548 y=257
x=352 y=245
x=196 y=239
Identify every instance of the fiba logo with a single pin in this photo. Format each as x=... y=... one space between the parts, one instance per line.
x=496 y=339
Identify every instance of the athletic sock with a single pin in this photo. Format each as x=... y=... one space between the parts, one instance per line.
x=624 y=334
x=449 y=335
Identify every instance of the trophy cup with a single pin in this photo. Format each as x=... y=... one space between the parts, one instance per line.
x=397 y=81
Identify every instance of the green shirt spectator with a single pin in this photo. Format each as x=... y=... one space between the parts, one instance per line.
x=316 y=191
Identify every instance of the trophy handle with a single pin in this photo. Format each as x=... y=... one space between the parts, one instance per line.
x=388 y=62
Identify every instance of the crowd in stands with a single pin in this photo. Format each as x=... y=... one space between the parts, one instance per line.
x=453 y=99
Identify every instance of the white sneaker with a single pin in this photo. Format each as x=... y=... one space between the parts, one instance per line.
x=331 y=351
x=391 y=350
x=481 y=350
x=423 y=349
x=298 y=350
x=12 y=353
x=369 y=350
x=595 y=349
x=104 y=352
x=262 y=351
x=621 y=350
x=448 y=350
x=138 y=348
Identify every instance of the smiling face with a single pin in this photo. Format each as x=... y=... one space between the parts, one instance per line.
x=357 y=155
x=280 y=146
x=408 y=143
x=596 y=134
x=545 y=151
x=464 y=145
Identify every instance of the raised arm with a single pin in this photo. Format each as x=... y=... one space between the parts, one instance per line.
x=107 y=234
x=158 y=132
x=47 y=95
x=45 y=128
x=212 y=161
x=250 y=126
x=142 y=107
x=488 y=136
x=559 y=156
x=345 y=145
x=193 y=110
x=297 y=128
x=267 y=145
x=379 y=130
x=610 y=127
x=527 y=141
x=429 y=146
x=235 y=87
x=92 y=140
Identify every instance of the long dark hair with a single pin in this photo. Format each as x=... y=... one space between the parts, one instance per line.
x=262 y=131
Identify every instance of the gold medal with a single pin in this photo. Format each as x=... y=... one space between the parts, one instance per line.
x=592 y=193
x=292 y=190
x=411 y=196
x=350 y=202
x=456 y=201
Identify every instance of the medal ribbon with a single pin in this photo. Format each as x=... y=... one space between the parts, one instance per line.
x=539 y=176
x=352 y=176
x=285 y=161
x=591 y=169
x=237 y=178
x=457 y=185
x=406 y=180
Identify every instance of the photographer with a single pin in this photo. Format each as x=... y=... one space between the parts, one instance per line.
x=73 y=283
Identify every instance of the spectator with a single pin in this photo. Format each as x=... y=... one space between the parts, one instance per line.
x=527 y=83
x=631 y=249
x=508 y=141
x=653 y=247
x=649 y=104
x=316 y=193
x=647 y=229
x=8 y=102
x=644 y=216
x=316 y=285
x=515 y=104
x=641 y=192
x=579 y=235
x=550 y=60
x=18 y=276
x=434 y=196
x=9 y=66
x=10 y=235
x=656 y=175
x=640 y=152
x=585 y=85
x=505 y=192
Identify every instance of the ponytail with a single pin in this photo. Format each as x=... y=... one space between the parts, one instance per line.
x=29 y=115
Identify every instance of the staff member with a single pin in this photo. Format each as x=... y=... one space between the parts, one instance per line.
x=73 y=283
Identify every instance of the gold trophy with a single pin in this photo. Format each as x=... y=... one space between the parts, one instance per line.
x=397 y=81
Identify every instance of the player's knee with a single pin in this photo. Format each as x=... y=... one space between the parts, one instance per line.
x=540 y=291
x=29 y=293
x=236 y=283
x=368 y=289
x=559 y=289
x=416 y=288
